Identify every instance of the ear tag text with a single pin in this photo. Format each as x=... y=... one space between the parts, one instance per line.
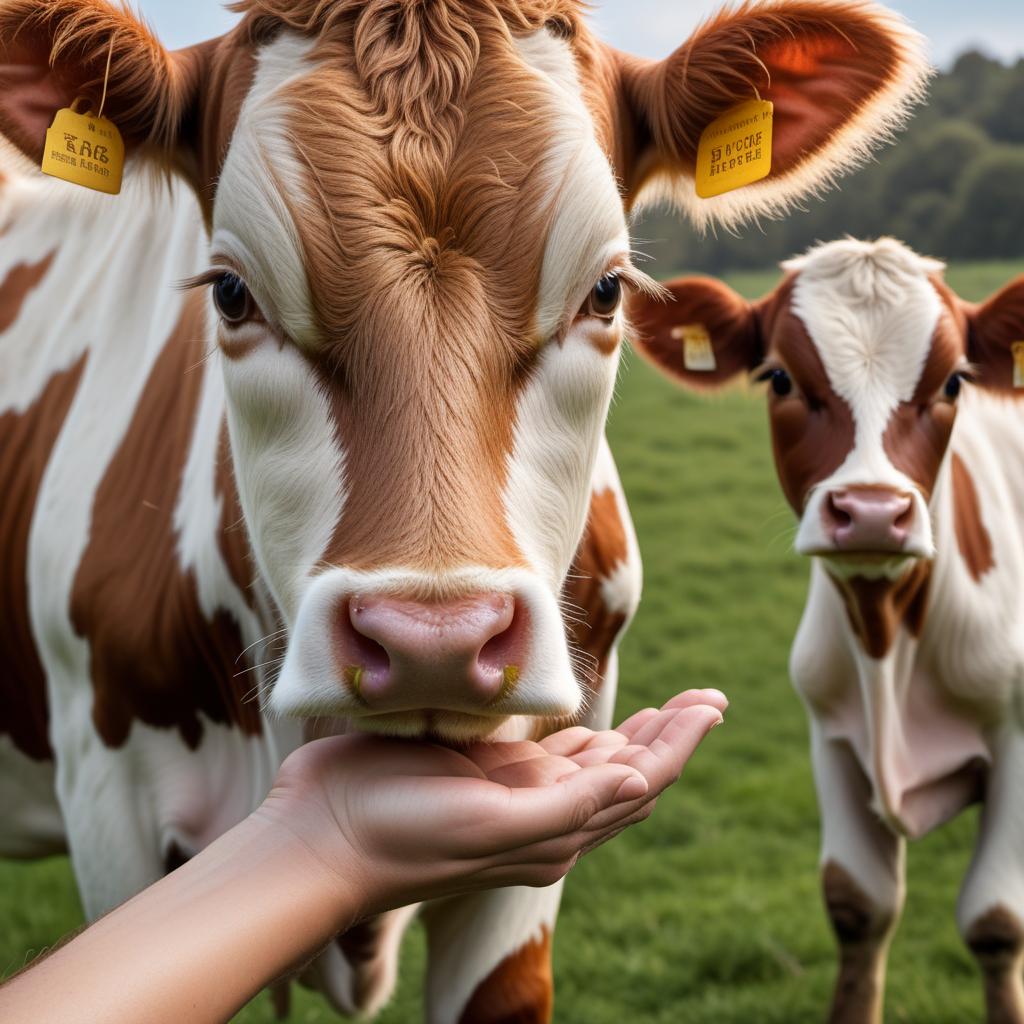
x=698 y=353
x=84 y=149
x=735 y=149
x=1017 y=348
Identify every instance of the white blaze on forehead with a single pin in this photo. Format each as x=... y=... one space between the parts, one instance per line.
x=871 y=312
x=588 y=227
x=251 y=220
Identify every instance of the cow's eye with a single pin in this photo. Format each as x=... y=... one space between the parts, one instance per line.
x=953 y=385
x=605 y=298
x=780 y=381
x=232 y=298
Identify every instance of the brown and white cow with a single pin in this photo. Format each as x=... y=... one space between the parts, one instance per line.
x=899 y=442
x=375 y=452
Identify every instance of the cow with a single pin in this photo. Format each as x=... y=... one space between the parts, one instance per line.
x=355 y=476
x=898 y=436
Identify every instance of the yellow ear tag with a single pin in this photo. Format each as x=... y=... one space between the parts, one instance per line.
x=85 y=150
x=735 y=149
x=698 y=354
x=1017 y=348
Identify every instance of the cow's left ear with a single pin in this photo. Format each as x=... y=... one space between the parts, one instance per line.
x=842 y=74
x=995 y=338
x=702 y=335
x=169 y=106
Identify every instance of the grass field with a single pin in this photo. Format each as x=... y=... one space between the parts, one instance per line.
x=708 y=913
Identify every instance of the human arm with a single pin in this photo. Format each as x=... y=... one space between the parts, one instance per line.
x=355 y=825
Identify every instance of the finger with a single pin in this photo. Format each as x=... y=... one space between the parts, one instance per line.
x=567 y=742
x=712 y=697
x=636 y=721
x=661 y=748
x=570 y=742
x=531 y=815
x=690 y=698
x=491 y=756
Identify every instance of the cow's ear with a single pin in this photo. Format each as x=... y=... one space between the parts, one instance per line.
x=176 y=108
x=55 y=51
x=702 y=335
x=995 y=338
x=842 y=75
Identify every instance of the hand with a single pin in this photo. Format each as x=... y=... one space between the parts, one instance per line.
x=400 y=821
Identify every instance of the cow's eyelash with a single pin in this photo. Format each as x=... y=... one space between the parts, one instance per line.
x=204 y=279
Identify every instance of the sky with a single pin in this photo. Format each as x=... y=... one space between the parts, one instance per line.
x=653 y=28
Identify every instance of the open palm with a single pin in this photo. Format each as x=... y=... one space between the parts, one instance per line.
x=425 y=820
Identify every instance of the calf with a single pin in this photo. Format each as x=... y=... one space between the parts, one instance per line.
x=898 y=435
x=406 y=225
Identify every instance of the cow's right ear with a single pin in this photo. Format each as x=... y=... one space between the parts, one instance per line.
x=702 y=336
x=175 y=107
x=55 y=51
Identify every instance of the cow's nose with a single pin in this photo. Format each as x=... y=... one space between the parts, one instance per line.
x=399 y=654
x=870 y=519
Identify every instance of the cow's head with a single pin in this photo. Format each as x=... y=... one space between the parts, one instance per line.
x=419 y=250
x=866 y=354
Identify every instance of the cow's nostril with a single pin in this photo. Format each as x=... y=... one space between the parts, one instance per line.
x=838 y=517
x=904 y=520
x=359 y=655
x=504 y=652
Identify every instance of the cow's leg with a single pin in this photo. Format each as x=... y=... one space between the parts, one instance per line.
x=862 y=878
x=991 y=907
x=490 y=957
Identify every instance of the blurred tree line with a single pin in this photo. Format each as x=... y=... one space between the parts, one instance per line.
x=951 y=186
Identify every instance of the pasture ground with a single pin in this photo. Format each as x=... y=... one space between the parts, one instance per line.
x=709 y=913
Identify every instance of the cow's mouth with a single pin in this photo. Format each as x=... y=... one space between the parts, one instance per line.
x=453 y=728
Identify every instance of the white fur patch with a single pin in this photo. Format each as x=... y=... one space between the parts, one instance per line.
x=589 y=226
x=871 y=312
x=251 y=220
x=289 y=466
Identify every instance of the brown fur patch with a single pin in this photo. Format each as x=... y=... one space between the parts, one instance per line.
x=15 y=287
x=860 y=929
x=997 y=941
x=520 y=990
x=918 y=432
x=971 y=536
x=154 y=656
x=26 y=440
x=877 y=607
x=591 y=626
x=232 y=537
x=812 y=432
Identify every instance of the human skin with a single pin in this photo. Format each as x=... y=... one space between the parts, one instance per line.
x=355 y=825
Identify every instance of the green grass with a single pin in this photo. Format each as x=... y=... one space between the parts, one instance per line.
x=708 y=913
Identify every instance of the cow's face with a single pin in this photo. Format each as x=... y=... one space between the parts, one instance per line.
x=866 y=354
x=421 y=333
x=418 y=259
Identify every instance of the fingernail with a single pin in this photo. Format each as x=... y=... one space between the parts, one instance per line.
x=631 y=789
